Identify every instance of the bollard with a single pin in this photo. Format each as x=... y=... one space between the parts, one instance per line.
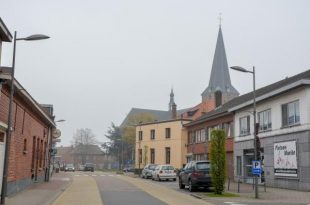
x=265 y=186
x=238 y=185
x=228 y=183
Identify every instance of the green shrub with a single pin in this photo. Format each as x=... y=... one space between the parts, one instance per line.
x=218 y=160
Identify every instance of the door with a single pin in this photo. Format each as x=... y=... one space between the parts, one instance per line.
x=2 y=152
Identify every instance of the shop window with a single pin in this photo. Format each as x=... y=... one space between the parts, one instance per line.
x=239 y=166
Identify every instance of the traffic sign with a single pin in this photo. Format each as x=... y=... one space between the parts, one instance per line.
x=256 y=167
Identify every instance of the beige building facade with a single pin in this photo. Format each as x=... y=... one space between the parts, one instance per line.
x=161 y=142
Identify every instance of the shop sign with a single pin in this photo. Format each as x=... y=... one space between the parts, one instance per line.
x=285 y=159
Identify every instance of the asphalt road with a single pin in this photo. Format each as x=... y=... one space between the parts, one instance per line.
x=115 y=191
x=123 y=190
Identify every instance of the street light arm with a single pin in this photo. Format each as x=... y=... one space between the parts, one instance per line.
x=241 y=69
x=34 y=37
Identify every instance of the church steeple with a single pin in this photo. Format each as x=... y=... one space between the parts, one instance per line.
x=220 y=87
x=171 y=102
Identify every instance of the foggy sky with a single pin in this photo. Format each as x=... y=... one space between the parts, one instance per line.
x=106 y=56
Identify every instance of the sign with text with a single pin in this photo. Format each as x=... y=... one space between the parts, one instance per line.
x=285 y=159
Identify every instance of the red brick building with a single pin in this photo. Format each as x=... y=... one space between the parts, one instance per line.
x=199 y=135
x=31 y=136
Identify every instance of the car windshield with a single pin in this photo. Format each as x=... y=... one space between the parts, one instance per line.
x=69 y=165
x=203 y=165
x=152 y=167
x=167 y=168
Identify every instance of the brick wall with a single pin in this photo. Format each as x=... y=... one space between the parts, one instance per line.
x=25 y=161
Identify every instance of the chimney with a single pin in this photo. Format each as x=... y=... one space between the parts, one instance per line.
x=174 y=111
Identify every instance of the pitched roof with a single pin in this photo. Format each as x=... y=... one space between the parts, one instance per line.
x=261 y=94
x=87 y=149
x=5 y=34
x=159 y=115
x=220 y=78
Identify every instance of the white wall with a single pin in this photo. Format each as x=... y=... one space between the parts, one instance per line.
x=301 y=94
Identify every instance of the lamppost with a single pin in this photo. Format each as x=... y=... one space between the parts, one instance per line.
x=9 y=129
x=241 y=69
x=121 y=152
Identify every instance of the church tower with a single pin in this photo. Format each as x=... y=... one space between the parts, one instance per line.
x=171 y=102
x=220 y=89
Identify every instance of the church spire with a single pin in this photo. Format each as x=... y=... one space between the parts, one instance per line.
x=220 y=78
x=171 y=102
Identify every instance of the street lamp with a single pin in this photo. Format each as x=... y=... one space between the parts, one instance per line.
x=241 y=69
x=9 y=129
x=122 y=153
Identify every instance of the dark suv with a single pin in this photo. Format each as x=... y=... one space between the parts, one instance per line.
x=195 y=174
x=89 y=167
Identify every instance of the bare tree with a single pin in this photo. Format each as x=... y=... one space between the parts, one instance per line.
x=84 y=136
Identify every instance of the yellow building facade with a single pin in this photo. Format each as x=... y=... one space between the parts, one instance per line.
x=161 y=142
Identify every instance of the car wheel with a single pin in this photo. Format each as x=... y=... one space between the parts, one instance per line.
x=190 y=186
x=174 y=179
x=181 y=185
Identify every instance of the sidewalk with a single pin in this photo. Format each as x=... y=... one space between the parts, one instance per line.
x=42 y=193
x=280 y=196
x=82 y=191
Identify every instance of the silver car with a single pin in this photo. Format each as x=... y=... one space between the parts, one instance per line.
x=147 y=171
x=164 y=172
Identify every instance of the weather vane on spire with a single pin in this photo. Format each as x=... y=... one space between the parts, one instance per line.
x=220 y=18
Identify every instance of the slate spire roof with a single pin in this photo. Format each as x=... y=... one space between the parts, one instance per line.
x=220 y=78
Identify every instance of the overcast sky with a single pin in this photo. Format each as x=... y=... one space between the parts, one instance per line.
x=106 y=56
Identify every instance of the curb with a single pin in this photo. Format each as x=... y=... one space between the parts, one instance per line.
x=196 y=196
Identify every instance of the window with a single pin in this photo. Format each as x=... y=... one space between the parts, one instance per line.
x=245 y=125
x=1 y=137
x=152 y=156
x=167 y=149
x=25 y=146
x=168 y=132
x=239 y=166
x=152 y=134
x=140 y=135
x=218 y=98
x=290 y=113
x=228 y=129
x=264 y=119
x=140 y=156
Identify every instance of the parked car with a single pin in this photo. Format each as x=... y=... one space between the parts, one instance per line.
x=81 y=167
x=69 y=167
x=195 y=174
x=165 y=171
x=147 y=171
x=89 y=167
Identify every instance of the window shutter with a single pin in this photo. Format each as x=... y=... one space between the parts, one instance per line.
x=284 y=115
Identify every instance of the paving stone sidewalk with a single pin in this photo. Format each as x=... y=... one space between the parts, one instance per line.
x=43 y=193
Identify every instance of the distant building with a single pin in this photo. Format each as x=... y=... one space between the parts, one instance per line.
x=82 y=154
x=161 y=142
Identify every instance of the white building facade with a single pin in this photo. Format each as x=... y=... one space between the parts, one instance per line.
x=283 y=114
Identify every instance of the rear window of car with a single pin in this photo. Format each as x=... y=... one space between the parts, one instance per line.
x=167 y=168
x=203 y=165
x=152 y=167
